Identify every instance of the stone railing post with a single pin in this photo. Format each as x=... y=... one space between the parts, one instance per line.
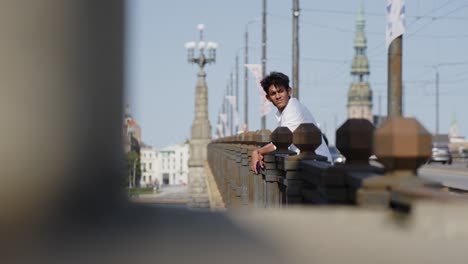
x=247 y=144
x=236 y=159
x=224 y=175
x=354 y=139
x=262 y=137
x=231 y=172
x=282 y=139
x=251 y=142
x=243 y=170
x=401 y=145
x=307 y=138
x=220 y=156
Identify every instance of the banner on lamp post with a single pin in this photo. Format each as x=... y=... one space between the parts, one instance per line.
x=256 y=70
x=395 y=20
x=219 y=127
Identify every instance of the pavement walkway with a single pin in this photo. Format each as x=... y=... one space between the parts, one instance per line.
x=167 y=195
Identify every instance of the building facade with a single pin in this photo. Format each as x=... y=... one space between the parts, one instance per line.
x=360 y=93
x=168 y=166
x=174 y=164
x=150 y=167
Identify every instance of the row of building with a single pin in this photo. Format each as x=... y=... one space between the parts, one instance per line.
x=167 y=166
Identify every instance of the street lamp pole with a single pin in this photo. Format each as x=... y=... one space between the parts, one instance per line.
x=264 y=36
x=295 y=69
x=237 y=94
x=201 y=60
x=246 y=80
x=437 y=100
x=246 y=75
x=201 y=128
x=395 y=52
x=231 y=107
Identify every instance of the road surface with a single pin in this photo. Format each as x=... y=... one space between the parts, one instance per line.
x=452 y=176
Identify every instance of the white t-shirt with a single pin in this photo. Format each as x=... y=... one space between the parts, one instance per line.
x=295 y=114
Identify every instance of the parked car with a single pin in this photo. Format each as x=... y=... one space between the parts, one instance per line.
x=440 y=153
x=336 y=155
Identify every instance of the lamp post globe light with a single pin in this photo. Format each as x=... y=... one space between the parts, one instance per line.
x=201 y=60
x=201 y=128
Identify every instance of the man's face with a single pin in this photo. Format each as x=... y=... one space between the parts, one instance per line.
x=279 y=96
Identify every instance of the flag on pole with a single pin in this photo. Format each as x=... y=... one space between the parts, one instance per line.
x=223 y=118
x=220 y=130
x=395 y=20
x=236 y=119
x=256 y=70
x=232 y=100
x=226 y=125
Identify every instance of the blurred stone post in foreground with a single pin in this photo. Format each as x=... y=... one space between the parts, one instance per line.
x=61 y=74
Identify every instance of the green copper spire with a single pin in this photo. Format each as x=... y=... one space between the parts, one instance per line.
x=360 y=15
x=360 y=94
x=360 y=63
x=454 y=127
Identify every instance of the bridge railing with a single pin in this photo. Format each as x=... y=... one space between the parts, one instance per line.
x=401 y=145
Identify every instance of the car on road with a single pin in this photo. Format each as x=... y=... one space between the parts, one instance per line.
x=440 y=153
x=463 y=153
x=336 y=155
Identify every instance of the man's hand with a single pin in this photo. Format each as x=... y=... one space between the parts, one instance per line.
x=256 y=158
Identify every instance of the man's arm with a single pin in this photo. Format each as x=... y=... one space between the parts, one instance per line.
x=257 y=156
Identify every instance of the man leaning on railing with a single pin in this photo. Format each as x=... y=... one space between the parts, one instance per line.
x=291 y=113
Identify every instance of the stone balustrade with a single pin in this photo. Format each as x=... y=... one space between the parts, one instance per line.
x=289 y=178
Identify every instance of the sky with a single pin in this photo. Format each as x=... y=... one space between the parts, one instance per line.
x=160 y=83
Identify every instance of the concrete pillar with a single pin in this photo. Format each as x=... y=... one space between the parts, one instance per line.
x=201 y=136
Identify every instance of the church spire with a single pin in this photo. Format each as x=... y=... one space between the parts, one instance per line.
x=360 y=66
x=360 y=16
x=454 y=127
x=360 y=94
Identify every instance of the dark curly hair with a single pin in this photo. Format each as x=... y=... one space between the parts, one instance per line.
x=276 y=79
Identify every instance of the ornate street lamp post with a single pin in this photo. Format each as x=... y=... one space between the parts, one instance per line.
x=201 y=60
x=201 y=128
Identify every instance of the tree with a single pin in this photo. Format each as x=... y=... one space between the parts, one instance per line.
x=133 y=168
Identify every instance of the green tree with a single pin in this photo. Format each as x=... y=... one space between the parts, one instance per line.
x=133 y=168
